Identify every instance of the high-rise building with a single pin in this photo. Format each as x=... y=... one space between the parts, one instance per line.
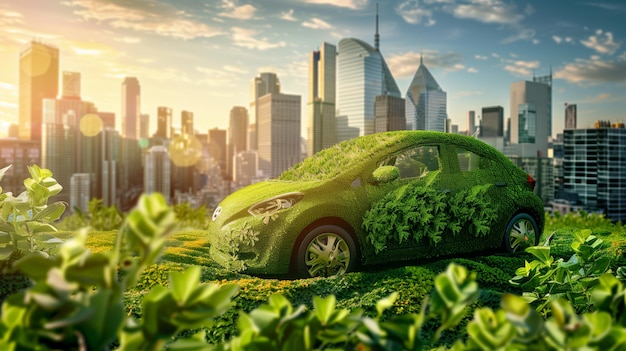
x=164 y=122
x=594 y=167
x=71 y=85
x=389 y=113
x=321 y=104
x=157 y=171
x=246 y=165
x=108 y=119
x=39 y=79
x=80 y=191
x=362 y=74
x=237 y=135
x=531 y=115
x=426 y=107
x=19 y=154
x=570 y=116
x=471 y=122
x=217 y=149
x=265 y=83
x=278 y=133
x=131 y=108
x=492 y=123
x=186 y=122
x=144 y=129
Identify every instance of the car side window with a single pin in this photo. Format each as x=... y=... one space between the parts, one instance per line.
x=416 y=162
x=469 y=161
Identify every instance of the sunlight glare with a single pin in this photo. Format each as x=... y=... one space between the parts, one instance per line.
x=90 y=125
x=185 y=150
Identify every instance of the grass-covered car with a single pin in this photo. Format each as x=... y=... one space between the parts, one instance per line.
x=382 y=198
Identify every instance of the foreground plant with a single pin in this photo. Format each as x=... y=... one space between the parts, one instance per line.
x=76 y=298
x=26 y=220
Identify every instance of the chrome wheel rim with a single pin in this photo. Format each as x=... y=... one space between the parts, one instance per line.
x=522 y=235
x=327 y=255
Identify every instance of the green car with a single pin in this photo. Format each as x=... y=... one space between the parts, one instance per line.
x=381 y=198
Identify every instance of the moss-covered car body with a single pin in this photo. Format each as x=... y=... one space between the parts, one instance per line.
x=346 y=186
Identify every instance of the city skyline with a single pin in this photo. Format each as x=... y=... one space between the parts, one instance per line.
x=200 y=57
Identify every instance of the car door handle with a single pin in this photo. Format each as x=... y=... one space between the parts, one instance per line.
x=500 y=184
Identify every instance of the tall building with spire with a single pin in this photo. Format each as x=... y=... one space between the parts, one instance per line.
x=362 y=74
x=321 y=104
x=39 y=80
x=426 y=107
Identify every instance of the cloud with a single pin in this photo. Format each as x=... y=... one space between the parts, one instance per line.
x=413 y=13
x=593 y=71
x=288 y=16
x=129 y=40
x=603 y=45
x=405 y=65
x=480 y=57
x=143 y=16
x=557 y=39
x=351 y=4
x=520 y=67
x=488 y=11
x=235 y=69
x=246 y=38
x=612 y=7
x=472 y=70
x=522 y=34
x=243 y=12
x=316 y=23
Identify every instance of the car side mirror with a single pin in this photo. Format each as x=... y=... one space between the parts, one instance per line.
x=385 y=174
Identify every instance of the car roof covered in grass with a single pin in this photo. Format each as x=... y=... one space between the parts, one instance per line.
x=342 y=157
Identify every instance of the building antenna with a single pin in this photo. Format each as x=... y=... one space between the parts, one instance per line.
x=376 y=36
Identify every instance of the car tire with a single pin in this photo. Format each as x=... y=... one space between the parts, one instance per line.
x=522 y=231
x=325 y=251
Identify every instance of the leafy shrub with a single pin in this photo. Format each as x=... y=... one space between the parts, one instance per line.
x=414 y=212
x=26 y=220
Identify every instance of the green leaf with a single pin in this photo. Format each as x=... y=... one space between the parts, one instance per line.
x=324 y=308
x=542 y=253
x=184 y=283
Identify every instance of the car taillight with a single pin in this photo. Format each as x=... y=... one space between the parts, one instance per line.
x=531 y=182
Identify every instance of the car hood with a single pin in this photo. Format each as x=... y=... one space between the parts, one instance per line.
x=242 y=199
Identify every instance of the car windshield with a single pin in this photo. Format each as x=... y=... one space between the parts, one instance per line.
x=339 y=158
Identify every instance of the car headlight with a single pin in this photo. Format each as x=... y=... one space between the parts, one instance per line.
x=268 y=209
x=217 y=213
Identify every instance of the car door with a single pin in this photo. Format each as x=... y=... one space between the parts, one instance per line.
x=418 y=166
x=470 y=182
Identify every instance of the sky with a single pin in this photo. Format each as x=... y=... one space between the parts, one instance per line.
x=200 y=56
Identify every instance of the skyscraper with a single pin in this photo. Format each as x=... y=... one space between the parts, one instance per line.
x=131 y=108
x=531 y=114
x=217 y=148
x=389 y=113
x=278 y=133
x=321 y=104
x=186 y=122
x=425 y=102
x=594 y=167
x=362 y=74
x=265 y=83
x=164 y=122
x=471 y=122
x=570 y=116
x=39 y=79
x=157 y=174
x=71 y=85
x=237 y=135
x=492 y=123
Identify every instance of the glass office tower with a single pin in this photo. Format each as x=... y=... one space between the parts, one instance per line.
x=362 y=74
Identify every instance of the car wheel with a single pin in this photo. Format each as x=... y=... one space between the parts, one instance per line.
x=325 y=251
x=521 y=232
